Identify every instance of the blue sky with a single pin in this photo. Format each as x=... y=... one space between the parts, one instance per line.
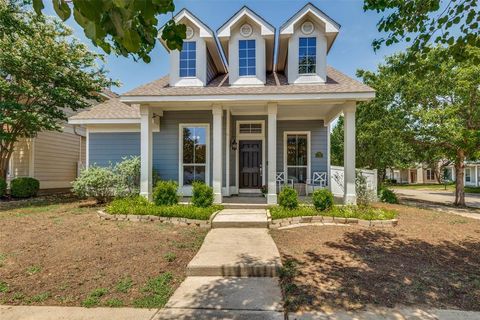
x=351 y=51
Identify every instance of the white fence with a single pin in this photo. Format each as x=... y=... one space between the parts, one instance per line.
x=338 y=182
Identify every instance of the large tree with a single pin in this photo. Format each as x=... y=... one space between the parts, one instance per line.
x=44 y=73
x=126 y=27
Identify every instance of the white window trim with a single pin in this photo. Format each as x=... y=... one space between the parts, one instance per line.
x=470 y=175
x=309 y=153
x=252 y=76
x=180 y=152
x=249 y=136
x=316 y=57
x=180 y=63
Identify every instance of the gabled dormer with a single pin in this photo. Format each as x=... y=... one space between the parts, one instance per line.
x=304 y=42
x=200 y=60
x=248 y=43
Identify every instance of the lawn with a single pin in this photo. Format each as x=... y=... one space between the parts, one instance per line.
x=430 y=259
x=434 y=187
x=58 y=252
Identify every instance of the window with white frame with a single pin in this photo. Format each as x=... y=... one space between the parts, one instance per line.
x=250 y=128
x=188 y=59
x=468 y=175
x=194 y=157
x=246 y=58
x=307 y=55
x=296 y=148
x=430 y=174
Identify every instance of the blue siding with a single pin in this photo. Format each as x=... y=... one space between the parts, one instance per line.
x=109 y=148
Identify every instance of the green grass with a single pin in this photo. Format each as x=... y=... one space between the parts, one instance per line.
x=434 y=187
x=3 y=287
x=114 y=303
x=170 y=256
x=156 y=292
x=364 y=213
x=124 y=285
x=139 y=206
x=93 y=298
x=40 y=297
x=33 y=269
x=3 y=257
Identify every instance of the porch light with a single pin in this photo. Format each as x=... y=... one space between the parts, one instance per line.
x=234 y=144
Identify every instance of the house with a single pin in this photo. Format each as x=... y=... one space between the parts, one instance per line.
x=413 y=175
x=471 y=173
x=230 y=115
x=54 y=158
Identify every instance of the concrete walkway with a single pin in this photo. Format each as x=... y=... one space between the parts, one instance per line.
x=233 y=275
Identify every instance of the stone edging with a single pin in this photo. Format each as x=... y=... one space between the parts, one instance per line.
x=150 y=218
x=275 y=224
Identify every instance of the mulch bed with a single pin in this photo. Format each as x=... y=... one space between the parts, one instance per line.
x=431 y=259
x=55 y=251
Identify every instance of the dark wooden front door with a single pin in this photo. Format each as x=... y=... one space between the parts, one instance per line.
x=250 y=164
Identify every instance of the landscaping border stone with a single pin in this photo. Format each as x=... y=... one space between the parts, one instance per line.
x=151 y=218
x=308 y=220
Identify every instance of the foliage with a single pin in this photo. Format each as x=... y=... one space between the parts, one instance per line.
x=3 y=187
x=93 y=298
x=128 y=177
x=24 y=187
x=157 y=291
x=44 y=75
x=141 y=206
x=322 y=199
x=449 y=23
x=364 y=195
x=364 y=213
x=288 y=198
x=124 y=27
x=387 y=195
x=96 y=182
x=124 y=285
x=165 y=193
x=202 y=195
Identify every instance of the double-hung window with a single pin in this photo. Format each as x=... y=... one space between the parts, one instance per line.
x=297 y=156
x=246 y=56
x=194 y=157
x=468 y=175
x=307 y=55
x=188 y=57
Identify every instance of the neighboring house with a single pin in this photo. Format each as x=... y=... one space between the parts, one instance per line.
x=415 y=175
x=235 y=127
x=52 y=157
x=471 y=174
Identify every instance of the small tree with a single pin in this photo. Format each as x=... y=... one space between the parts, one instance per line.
x=43 y=74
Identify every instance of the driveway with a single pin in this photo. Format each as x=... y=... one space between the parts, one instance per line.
x=437 y=196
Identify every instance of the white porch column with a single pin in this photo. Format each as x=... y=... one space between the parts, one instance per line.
x=227 y=153
x=350 y=195
x=217 y=153
x=272 y=153
x=146 y=141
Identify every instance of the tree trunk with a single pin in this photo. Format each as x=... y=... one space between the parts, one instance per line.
x=459 y=179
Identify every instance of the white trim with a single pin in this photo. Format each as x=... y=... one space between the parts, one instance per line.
x=31 y=160
x=250 y=191
x=104 y=121
x=309 y=153
x=248 y=136
x=227 y=151
x=329 y=159
x=115 y=128
x=279 y=97
x=87 y=148
x=187 y=189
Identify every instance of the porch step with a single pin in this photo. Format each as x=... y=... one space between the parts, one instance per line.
x=241 y=218
x=227 y=205
x=236 y=252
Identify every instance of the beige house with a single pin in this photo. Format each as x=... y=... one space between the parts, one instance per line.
x=54 y=158
x=414 y=175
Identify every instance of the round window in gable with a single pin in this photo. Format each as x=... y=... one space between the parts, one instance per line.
x=307 y=27
x=189 y=32
x=246 y=30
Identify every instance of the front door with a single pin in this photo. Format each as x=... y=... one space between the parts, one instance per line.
x=250 y=164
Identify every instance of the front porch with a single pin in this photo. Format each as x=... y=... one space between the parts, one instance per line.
x=240 y=148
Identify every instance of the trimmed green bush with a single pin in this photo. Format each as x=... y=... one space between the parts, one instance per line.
x=128 y=176
x=3 y=187
x=202 y=195
x=96 y=182
x=322 y=199
x=288 y=198
x=24 y=187
x=388 y=196
x=165 y=193
x=141 y=206
x=364 y=213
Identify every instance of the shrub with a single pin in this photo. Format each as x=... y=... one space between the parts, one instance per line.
x=165 y=193
x=364 y=195
x=288 y=198
x=322 y=199
x=3 y=187
x=202 y=195
x=24 y=187
x=128 y=175
x=388 y=196
x=96 y=182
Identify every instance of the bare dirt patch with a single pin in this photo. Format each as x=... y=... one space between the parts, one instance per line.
x=55 y=251
x=430 y=259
